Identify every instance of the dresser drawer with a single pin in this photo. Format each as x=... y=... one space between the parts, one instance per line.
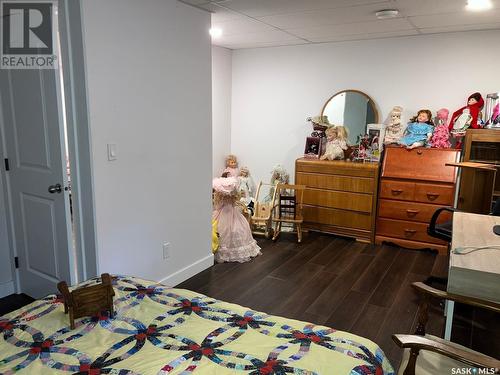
x=339 y=199
x=420 y=164
x=329 y=216
x=408 y=230
x=410 y=211
x=433 y=193
x=337 y=167
x=399 y=190
x=336 y=182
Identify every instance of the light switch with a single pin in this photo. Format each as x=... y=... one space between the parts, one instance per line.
x=112 y=151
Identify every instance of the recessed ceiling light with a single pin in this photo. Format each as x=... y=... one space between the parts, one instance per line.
x=215 y=32
x=479 y=5
x=387 y=13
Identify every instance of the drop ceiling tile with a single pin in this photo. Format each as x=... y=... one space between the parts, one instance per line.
x=447 y=29
x=261 y=8
x=429 y=7
x=262 y=44
x=360 y=13
x=221 y=14
x=343 y=38
x=358 y=28
x=242 y=25
x=262 y=37
x=452 y=19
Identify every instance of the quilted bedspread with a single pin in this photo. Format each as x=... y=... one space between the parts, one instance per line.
x=161 y=330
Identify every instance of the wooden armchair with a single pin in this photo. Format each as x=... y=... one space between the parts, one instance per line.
x=287 y=208
x=426 y=354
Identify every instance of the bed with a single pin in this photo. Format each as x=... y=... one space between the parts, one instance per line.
x=162 y=330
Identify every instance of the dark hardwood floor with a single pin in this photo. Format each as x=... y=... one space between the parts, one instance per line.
x=13 y=302
x=343 y=284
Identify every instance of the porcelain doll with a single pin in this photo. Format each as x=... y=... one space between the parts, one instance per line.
x=419 y=131
x=247 y=186
x=441 y=136
x=336 y=137
x=236 y=243
x=394 y=128
x=279 y=175
x=465 y=117
x=231 y=169
x=495 y=117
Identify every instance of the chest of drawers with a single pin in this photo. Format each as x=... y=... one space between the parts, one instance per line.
x=340 y=197
x=414 y=183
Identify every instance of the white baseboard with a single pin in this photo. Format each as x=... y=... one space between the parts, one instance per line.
x=6 y=288
x=188 y=271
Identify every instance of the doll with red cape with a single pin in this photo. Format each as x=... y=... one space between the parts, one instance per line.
x=466 y=117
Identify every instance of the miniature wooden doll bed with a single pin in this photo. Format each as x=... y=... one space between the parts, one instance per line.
x=161 y=330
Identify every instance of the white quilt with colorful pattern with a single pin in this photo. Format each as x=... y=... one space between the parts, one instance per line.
x=161 y=330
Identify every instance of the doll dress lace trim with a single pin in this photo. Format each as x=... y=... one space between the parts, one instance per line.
x=239 y=254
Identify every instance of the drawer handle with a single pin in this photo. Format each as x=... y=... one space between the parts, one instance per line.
x=419 y=152
x=412 y=212
x=410 y=232
x=432 y=196
x=396 y=191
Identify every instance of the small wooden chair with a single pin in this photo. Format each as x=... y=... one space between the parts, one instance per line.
x=260 y=222
x=287 y=208
x=428 y=355
x=87 y=300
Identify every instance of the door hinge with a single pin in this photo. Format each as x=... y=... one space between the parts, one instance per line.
x=16 y=262
x=7 y=166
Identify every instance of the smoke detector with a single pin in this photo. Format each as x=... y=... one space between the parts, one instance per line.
x=387 y=13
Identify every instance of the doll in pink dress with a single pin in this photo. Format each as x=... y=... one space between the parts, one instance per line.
x=231 y=169
x=236 y=243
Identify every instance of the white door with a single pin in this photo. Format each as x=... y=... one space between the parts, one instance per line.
x=34 y=140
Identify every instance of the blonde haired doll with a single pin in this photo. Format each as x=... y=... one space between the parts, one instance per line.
x=231 y=169
x=394 y=129
x=336 y=137
x=247 y=186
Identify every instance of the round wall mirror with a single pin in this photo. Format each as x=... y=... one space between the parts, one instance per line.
x=352 y=109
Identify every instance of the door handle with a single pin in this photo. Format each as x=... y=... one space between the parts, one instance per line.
x=57 y=188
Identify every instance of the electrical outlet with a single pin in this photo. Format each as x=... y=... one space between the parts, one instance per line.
x=166 y=250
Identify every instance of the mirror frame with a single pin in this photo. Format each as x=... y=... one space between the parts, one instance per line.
x=375 y=111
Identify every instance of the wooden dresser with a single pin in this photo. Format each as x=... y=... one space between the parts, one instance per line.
x=340 y=197
x=414 y=183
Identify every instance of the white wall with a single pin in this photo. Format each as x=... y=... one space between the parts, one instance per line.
x=149 y=88
x=275 y=89
x=221 y=107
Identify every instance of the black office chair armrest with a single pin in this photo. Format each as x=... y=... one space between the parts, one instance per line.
x=435 y=232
